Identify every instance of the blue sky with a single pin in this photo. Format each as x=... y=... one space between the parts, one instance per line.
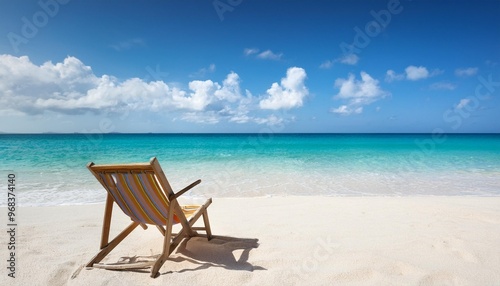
x=249 y=66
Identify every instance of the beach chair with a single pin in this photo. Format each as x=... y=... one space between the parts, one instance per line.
x=143 y=193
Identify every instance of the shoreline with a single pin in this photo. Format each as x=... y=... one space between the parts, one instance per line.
x=189 y=200
x=186 y=199
x=296 y=240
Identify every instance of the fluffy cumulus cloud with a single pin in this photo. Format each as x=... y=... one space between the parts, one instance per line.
x=289 y=94
x=270 y=55
x=264 y=55
x=71 y=87
x=416 y=73
x=392 y=76
x=412 y=73
x=347 y=59
x=357 y=93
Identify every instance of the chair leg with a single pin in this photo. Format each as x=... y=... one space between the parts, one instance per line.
x=158 y=264
x=112 y=244
x=207 y=225
x=166 y=244
x=164 y=255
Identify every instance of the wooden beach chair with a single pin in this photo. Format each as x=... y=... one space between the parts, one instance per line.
x=143 y=193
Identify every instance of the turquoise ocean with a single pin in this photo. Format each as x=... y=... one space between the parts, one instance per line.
x=50 y=169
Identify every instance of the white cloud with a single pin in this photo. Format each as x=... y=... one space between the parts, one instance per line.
x=358 y=93
x=463 y=102
x=250 y=51
x=349 y=59
x=347 y=110
x=265 y=55
x=413 y=73
x=269 y=55
x=289 y=94
x=416 y=73
x=271 y=120
x=199 y=98
x=70 y=87
x=443 y=86
x=326 y=64
x=210 y=117
x=464 y=72
x=391 y=76
x=230 y=90
x=365 y=89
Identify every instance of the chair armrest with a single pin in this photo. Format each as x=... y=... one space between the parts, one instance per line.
x=179 y=193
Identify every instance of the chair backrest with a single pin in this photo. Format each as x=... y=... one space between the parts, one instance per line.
x=140 y=190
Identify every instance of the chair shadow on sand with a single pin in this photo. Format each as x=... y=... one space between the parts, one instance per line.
x=227 y=252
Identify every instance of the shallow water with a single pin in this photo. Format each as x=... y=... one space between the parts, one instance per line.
x=51 y=168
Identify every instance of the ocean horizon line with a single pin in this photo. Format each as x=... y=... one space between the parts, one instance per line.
x=251 y=133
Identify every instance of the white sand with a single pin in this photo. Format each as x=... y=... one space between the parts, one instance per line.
x=278 y=241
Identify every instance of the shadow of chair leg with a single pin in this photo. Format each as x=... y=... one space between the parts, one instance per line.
x=218 y=252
